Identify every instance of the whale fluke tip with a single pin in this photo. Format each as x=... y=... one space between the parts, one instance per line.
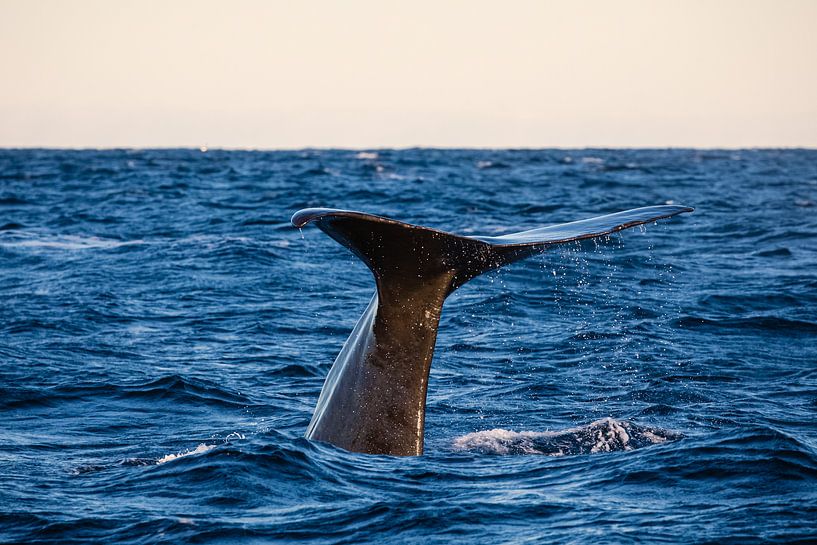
x=302 y=217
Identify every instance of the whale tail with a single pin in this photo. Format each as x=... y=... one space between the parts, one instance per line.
x=373 y=399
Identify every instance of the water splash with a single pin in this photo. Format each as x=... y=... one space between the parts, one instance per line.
x=605 y=435
x=201 y=449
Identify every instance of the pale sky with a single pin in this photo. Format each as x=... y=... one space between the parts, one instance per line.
x=380 y=73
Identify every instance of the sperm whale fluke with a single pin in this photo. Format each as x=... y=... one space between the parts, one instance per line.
x=374 y=397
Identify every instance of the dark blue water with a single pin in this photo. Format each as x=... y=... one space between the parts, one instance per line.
x=165 y=332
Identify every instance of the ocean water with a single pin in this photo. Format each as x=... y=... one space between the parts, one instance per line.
x=165 y=332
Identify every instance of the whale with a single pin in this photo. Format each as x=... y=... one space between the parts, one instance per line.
x=374 y=397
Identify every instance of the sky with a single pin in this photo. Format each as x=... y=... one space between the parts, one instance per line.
x=444 y=73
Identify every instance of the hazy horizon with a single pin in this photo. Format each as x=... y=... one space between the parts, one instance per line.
x=365 y=75
x=206 y=148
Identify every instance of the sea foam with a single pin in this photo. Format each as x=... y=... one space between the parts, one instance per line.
x=605 y=435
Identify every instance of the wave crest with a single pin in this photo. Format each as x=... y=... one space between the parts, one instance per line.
x=605 y=435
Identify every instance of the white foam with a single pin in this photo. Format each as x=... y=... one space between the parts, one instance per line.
x=68 y=242
x=605 y=435
x=367 y=155
x=609 y=435
x=655 y=439
x=394 y=176
x=202 y=448
x=140 y=329
x=500 y=441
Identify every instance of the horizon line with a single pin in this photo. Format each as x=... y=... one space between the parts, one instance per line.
x=206 y=148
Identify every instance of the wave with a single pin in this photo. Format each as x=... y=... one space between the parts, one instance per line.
x=202 y=448
x=483 y=165
x=739 y=455
x=169 y=388
x=605 y=435
x=12 y=200
x=65 y=242
x=761 y=323
x=777 y=252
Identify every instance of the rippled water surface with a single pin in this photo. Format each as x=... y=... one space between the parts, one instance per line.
x=165 y=332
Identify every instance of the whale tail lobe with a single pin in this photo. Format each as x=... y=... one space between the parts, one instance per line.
x=374 y=396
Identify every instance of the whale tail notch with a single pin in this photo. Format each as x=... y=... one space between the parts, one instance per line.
x=373 y=399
